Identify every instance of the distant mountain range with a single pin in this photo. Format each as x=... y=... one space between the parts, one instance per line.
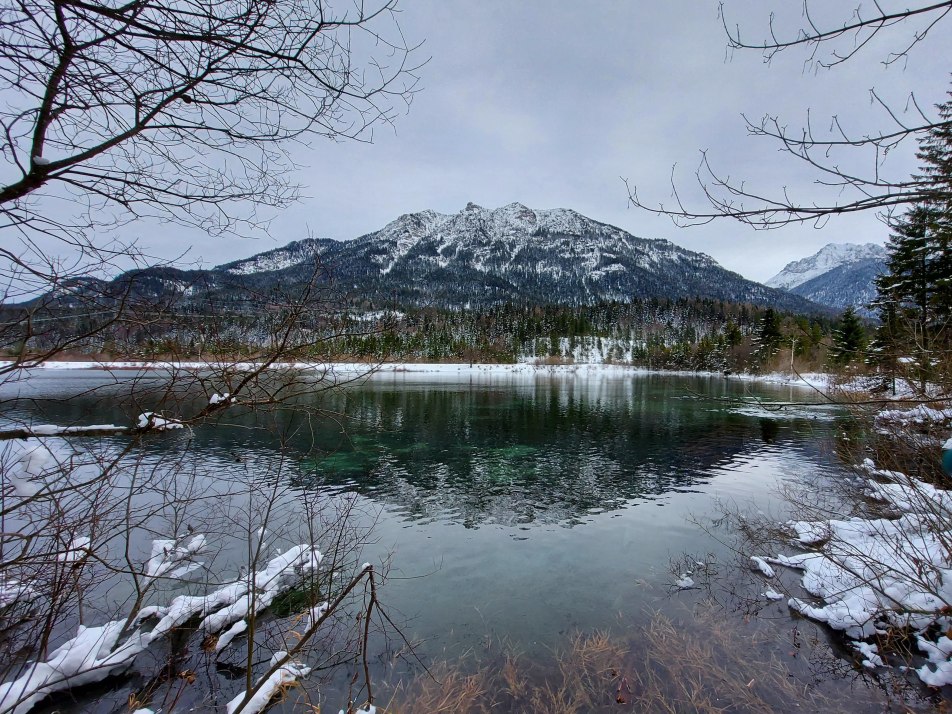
x=479 y=258
x=839 y=275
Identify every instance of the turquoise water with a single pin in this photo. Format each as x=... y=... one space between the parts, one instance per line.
x=536 y=506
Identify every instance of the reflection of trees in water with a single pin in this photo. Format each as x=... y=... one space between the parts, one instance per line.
x=514 y=452
x=544 y=451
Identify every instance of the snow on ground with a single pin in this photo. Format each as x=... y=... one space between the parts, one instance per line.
x=920 y=414
x=685 y=582
x=758 y=563
x=12 y=591
x=25 y=464
x=173 y=558
x=352 y=370
x=584 y=350
x=151 y=420
x=872 y=575
x=54 y=430
x=870 y=654
x=765 y=410
x=78 y=550
x=231 y=633
x=813 y=380
x=30 y=465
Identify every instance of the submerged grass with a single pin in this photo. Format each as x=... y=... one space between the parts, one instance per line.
x=710 y=666
x=582 y=679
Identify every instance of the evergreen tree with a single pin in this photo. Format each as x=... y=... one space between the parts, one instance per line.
x=915 y=294
x=849 y=339
x=768 y=339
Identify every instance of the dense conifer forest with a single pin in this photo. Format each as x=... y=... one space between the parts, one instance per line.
x=683 y=334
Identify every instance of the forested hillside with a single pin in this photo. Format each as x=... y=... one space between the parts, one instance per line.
x=685 y=334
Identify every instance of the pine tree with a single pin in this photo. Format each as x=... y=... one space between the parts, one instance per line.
x=915 y=294
x=849 y=339
x=768 y=339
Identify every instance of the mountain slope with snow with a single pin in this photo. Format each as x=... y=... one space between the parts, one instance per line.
x=477 y=258
x=483 y=257
x=839 y=275
x=292 y=254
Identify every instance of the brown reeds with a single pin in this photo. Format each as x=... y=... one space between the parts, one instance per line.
x=708 y=665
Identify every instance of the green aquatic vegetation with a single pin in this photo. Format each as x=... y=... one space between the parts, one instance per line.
x=409 y=449
x=297 y=600
x=513 y=451
x=341 y=463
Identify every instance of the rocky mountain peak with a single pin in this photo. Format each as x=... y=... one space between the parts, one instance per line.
x=518 y=254
x=839 y=275
x=482 y=257
x=830 y=256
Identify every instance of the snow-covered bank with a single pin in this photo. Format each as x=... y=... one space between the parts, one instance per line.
x=819 y=381
x=351 y=369
x=874 y=576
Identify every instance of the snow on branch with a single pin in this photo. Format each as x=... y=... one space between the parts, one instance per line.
x=282 y=677
x=96 y=653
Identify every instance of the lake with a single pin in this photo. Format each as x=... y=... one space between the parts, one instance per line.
x=516 y=507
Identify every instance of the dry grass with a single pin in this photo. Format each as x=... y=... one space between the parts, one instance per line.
x=713 y=667
x=710 y=667
x=580 y=679
x=447 y=690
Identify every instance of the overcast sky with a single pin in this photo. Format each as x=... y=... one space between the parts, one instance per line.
x=549 y=102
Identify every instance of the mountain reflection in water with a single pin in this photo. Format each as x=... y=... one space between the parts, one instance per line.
x=512 y=450
x=529 y=503
x=519 y=452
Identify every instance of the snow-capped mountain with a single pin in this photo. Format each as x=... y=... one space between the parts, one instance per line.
x=839 y=275
x=479 y=258
x=830 y=256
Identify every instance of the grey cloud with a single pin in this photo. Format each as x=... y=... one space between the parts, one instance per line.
x=549 y=102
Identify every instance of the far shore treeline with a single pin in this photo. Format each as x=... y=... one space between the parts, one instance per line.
x=683 y=334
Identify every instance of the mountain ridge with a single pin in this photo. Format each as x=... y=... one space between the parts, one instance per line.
x=839 y=275
x=478 y=258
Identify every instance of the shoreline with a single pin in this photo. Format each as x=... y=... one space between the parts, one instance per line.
x=813 y=380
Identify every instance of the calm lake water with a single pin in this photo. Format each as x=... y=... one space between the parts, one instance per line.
x=522 y=507
x=536 y=506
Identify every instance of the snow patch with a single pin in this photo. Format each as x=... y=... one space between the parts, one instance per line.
x=286 y=674
x=78 y=550
x=758 y=563
x=871 y=574
x=94 y=654
x=231 y=633
x=171 y=559
x=12 y=591
x=685 y=582
x=151 y=420
x=870 y=654
x=921 y=414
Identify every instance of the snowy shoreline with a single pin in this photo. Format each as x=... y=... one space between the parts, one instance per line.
x=815 y=380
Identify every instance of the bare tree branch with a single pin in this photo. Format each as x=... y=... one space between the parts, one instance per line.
x=827 y=154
